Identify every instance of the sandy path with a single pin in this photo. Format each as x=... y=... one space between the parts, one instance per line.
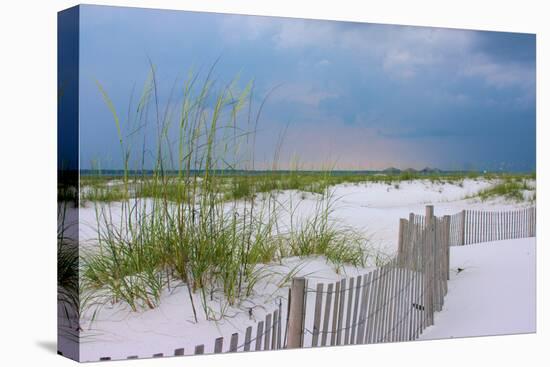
x=495 y=294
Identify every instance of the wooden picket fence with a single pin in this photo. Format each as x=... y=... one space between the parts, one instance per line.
x=397 y=301
x=474 y=226
x=269 y=335
x=394 y=302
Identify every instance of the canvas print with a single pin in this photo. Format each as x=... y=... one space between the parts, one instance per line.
x=235 y=183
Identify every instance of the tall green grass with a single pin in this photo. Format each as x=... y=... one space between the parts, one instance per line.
x=319 y=235
x=68 y=291
x=183 y=221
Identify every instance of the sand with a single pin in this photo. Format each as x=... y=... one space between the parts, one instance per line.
x=375 y=209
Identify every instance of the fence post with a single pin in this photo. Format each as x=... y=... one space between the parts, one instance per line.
x=296 y=313
x=429 y=214
x=430 y=264
x=447 y=221
x=400 y=240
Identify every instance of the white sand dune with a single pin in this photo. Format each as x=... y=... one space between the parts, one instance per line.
x=494 y=294
x=374 y=208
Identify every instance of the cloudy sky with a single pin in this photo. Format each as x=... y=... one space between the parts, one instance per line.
x=357 y=95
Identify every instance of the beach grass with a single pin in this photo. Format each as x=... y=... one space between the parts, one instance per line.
x=245 y=185
x=512 y=188
x=194 y=217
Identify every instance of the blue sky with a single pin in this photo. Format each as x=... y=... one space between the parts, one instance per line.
x=357 y=95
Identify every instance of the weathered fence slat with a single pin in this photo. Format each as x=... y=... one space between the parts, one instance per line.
x=386 y=308
x=348 y=311
x=341 y=312
x=259 y=336
x=297 y=313
x=380 y=311
x=267 y=340
x=375 y=315
x=247 y=337
x=390 y=329
x=199 y=349
x=274 y=332
x=317 y=315
x=218 y=345
x=326 y=318
x=279 y=325
x=234 y=341
x=335 y=314
x=400 y=297
x=353 y=339
x=401 y=294
x=368 y=303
